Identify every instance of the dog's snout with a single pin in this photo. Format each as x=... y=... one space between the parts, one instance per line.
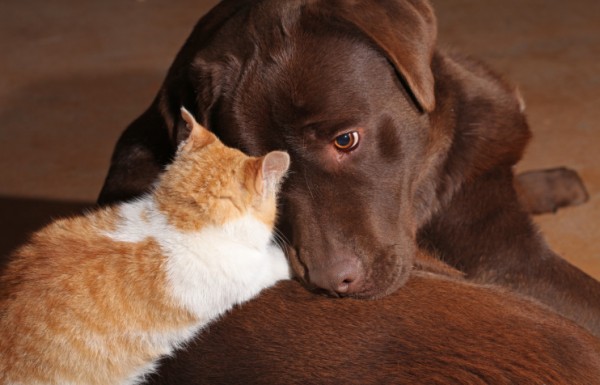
x=344 y=277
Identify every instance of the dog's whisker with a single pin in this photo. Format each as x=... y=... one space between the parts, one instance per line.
x=310 y=191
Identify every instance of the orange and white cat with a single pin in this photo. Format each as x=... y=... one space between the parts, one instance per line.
x=98 y=299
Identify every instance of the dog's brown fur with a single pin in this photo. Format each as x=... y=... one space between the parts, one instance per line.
x=435 y=330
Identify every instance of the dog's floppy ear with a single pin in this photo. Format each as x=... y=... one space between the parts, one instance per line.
x=194 y=79
x=150 y=141
x=405 y=30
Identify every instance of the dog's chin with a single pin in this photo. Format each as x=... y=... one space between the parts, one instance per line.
x=391 y=273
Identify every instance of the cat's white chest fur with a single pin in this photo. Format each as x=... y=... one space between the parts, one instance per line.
x=208 y=271
x=218 y=267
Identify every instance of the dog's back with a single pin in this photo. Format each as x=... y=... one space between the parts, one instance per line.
x=435 y=330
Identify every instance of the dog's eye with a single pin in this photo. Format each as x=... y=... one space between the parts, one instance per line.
x=346 y=142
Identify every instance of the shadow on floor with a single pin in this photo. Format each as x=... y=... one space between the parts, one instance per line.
x=19 y=217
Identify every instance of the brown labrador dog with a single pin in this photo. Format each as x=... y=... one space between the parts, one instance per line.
x=395 y=145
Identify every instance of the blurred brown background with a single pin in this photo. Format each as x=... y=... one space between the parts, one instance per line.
x=73 y=74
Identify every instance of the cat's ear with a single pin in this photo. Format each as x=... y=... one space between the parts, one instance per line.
x=199 y=136
x=273 y=168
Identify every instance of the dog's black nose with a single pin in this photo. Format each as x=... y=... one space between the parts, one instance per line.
x=345 y=277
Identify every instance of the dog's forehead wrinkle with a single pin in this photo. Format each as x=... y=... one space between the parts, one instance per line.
x=294 y=93
x=343 y=66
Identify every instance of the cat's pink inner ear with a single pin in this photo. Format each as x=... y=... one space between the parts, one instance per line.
x=199 y=136
x=274 y=166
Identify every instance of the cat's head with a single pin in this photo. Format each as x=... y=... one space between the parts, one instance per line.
x=209 y=183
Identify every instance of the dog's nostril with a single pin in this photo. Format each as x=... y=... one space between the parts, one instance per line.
x=344 y=277
x=344 y=286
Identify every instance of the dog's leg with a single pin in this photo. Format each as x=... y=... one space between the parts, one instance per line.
x=545 y=191
x=485 y=233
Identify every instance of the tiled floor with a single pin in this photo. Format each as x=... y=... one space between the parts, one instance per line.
x=73 y=74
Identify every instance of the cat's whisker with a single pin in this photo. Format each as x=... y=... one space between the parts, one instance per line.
x=281 y=241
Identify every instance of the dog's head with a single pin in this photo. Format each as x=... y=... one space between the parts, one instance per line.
x=346 y=88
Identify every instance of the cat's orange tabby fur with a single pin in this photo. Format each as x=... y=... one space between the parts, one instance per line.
x=98 y=299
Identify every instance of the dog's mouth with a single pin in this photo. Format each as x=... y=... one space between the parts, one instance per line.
x=372 y=286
